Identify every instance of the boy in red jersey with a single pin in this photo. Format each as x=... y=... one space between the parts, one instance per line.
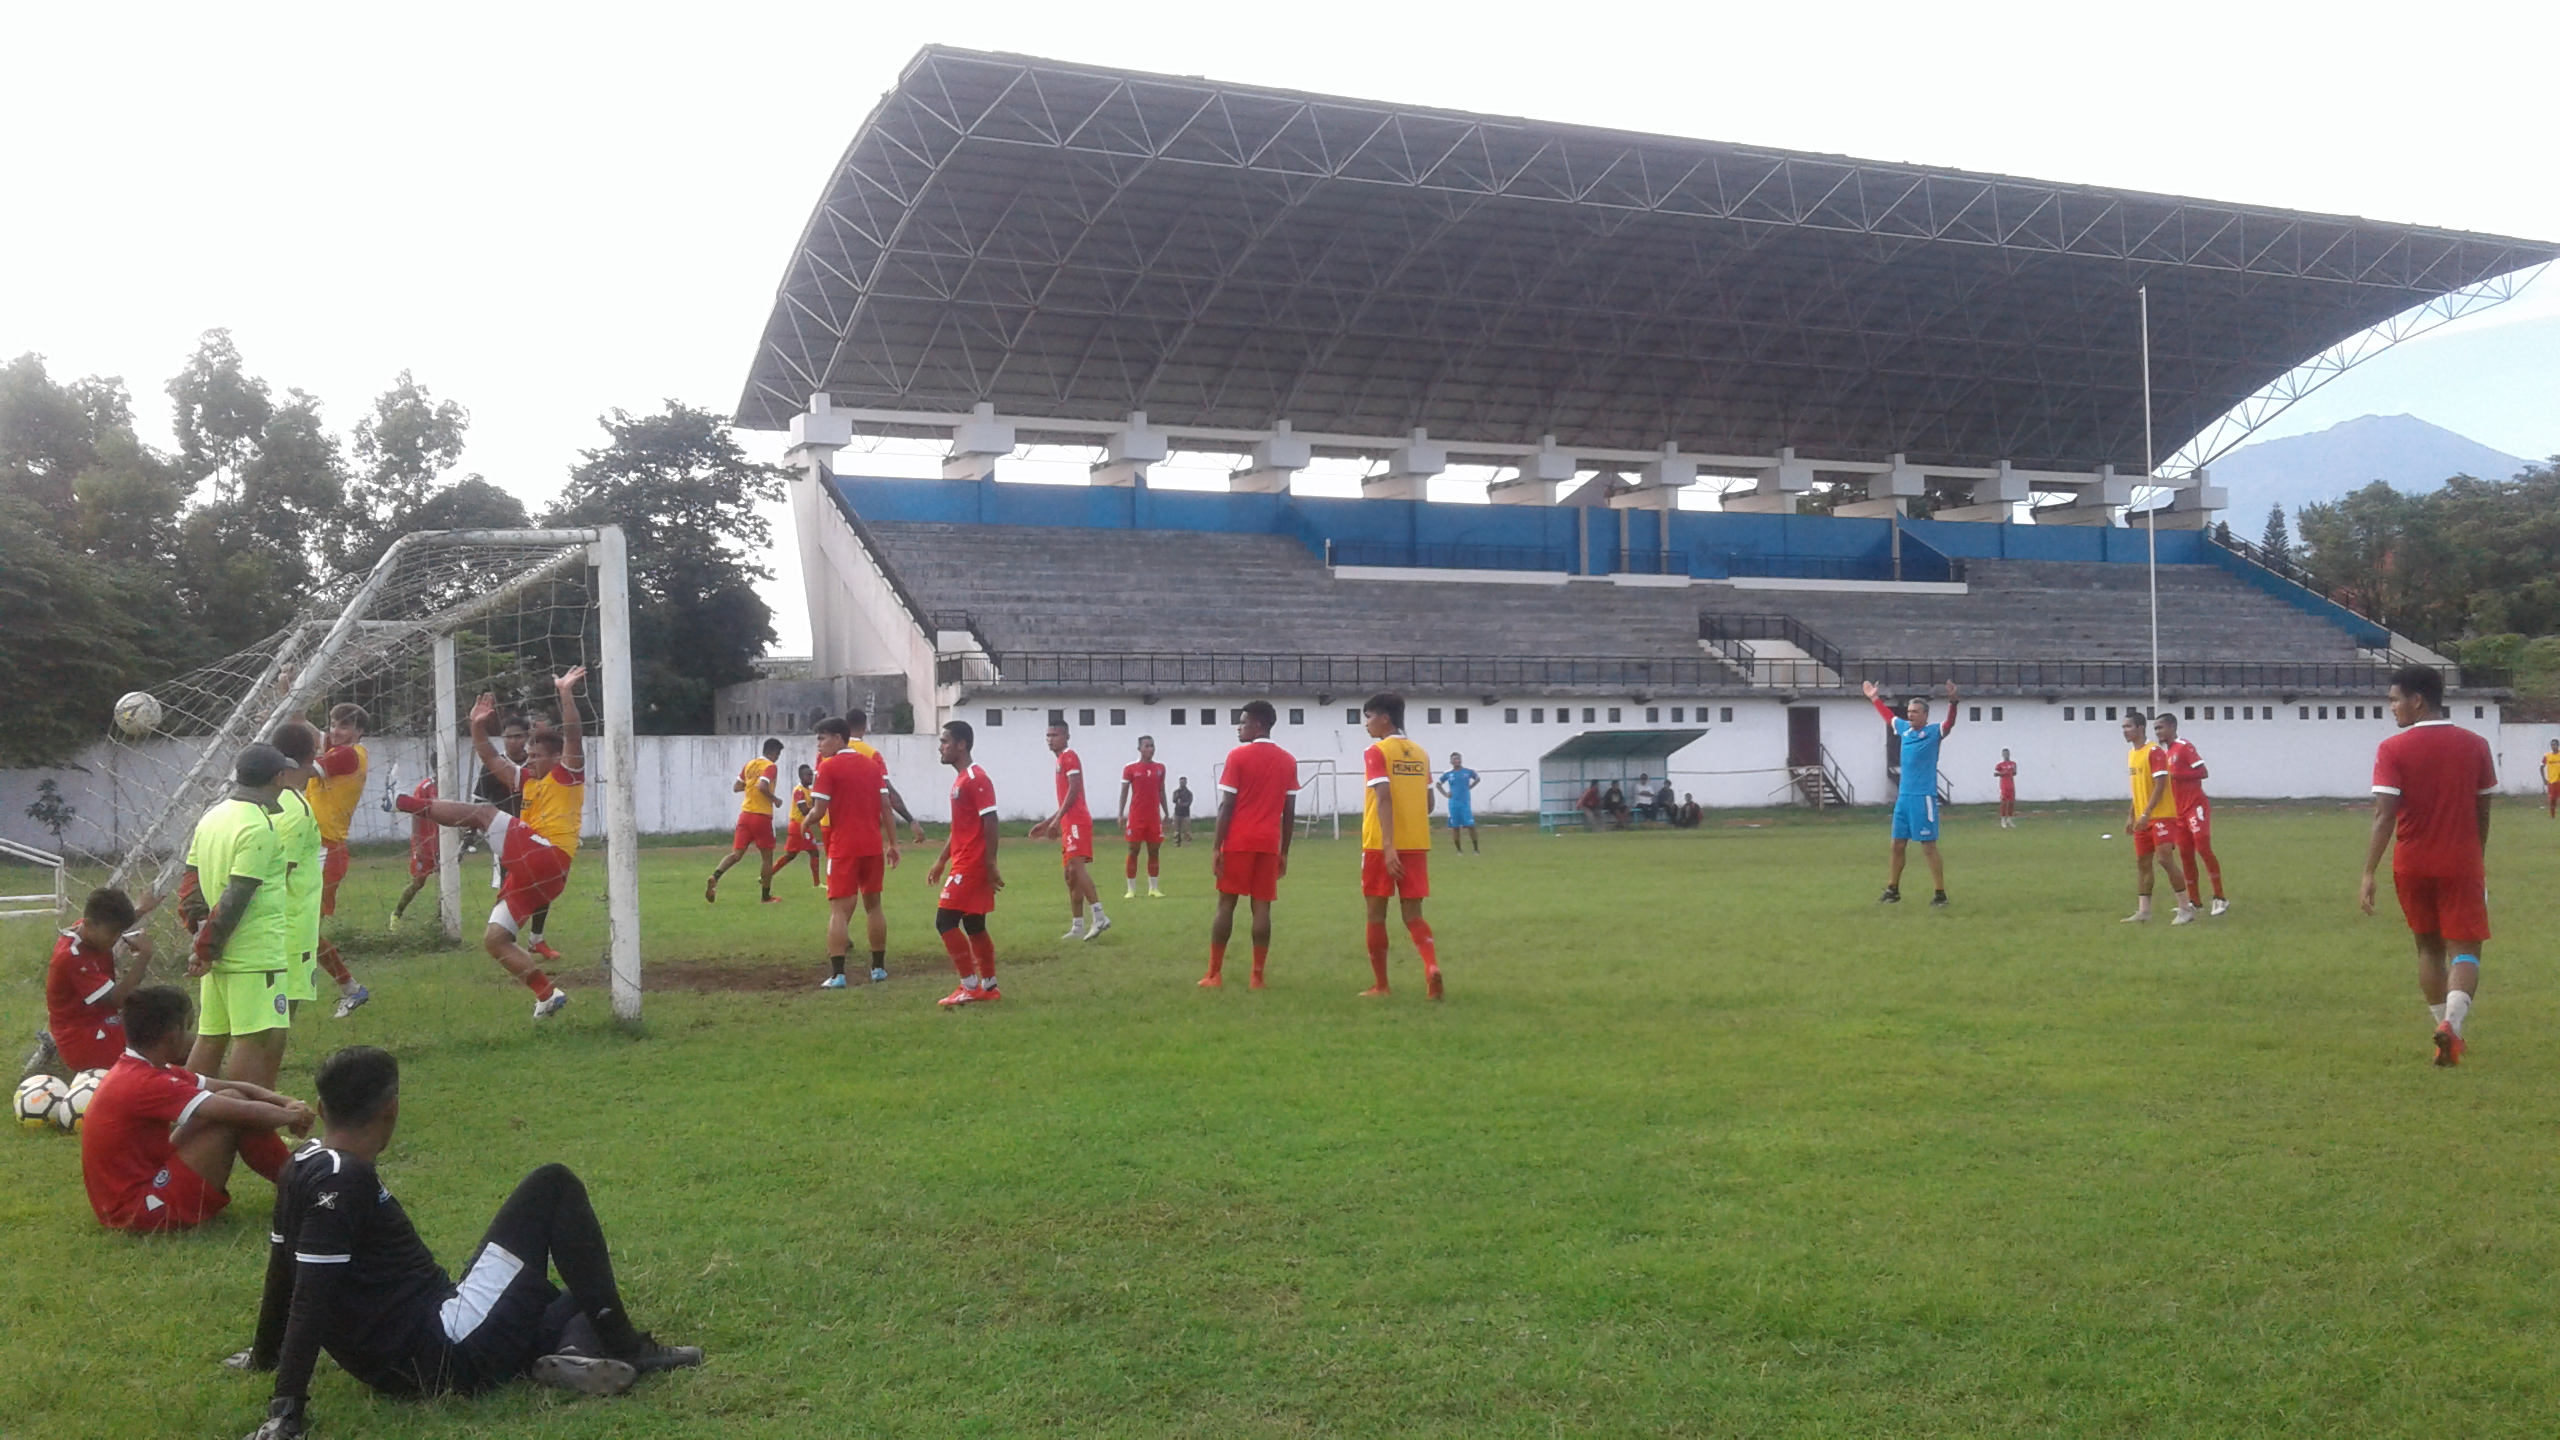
x=2007 y=771
x=845 y=796
x=1142 y=814
x=755 y=784
x=800 y=838
x=1395 y=837
x=426 y=851
x=84 y=991
x=2152 y=821
x=2432 y=786
x=2195 y=810
x=1257 y=817
x=157 y=1145
x=966 y=871
x=1073 y=825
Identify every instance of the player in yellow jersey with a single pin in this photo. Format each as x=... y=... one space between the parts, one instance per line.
x=551 y=783
x=755 y=783
x=2551 y=779
x=2152 y=821
x=335 y=787
x=1395 y=836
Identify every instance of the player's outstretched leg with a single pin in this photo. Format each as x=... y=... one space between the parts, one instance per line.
x=548 y=1224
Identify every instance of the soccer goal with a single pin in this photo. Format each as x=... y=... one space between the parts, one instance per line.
x=441 y=618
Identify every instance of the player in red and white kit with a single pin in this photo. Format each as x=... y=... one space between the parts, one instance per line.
x=2195 y=811
x=1142 y=814
x=426 y=851
x=1257 y=816
x=534 y=871
x=2007 y=771
x=966 y=871
x=1073 y=825
x=2432 y=787
x=844 y=802
x=157 y=1145
x=84 y=990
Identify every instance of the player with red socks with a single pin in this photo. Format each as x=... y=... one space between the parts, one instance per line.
x=1073 y=825
x=157 y=1145
x=2195 y=810
x=1142 y=814
x=1395 y=837
x=845 y=795
x=2433 y=783
x=1257 y=816
x=333 y=792
x=966 y=871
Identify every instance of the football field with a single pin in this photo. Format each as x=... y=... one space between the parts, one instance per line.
x=1703 y=1142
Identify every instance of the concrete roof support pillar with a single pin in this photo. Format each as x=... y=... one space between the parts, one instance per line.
x=2101 y=499
x=1890 y=493
x=977 y=443
x=1409 y=470
x=1659 y=482
x=1993 y=501
x=1541 y=476
x=1271 y=463
x=1778 y=489
x=2196 y=504
x=1126 y=455
x=816 y=435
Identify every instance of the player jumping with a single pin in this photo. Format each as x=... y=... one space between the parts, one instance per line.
x=1459 y=784
x=2433 y=783
x=2007 y=773
x=966 y=871
x=2195 y=811
x=2152 y=821
x=1915 y=806
x=1142 y=814
x=426 y=851
x=755 y=821
x=334 y=791
x=1073 y=825
x=1395 y=837
x=845 y=795
x=1249 y=853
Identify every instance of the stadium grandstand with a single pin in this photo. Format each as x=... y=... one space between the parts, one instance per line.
x=1753 y=428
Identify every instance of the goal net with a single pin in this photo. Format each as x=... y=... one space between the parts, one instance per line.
x=442 y=618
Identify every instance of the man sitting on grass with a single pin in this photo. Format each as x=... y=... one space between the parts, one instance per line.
x=346 y=1272
x=157 y=1144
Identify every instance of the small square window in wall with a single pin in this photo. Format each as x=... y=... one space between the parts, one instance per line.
x=1675 y=714
x=1297 y=715
x=1351 y=716
x=1996 y=715
x=1587 y=716
x=1084 y=717
x=1537 y=715
x=2479 y=712
x=994 y=718
x=1974 y=713
x=1725 y=715
x=2359 y=711
x=2070 y=712
x=1119 y=717
x=2111 y=712
x=1460 y=715
x=1511 y=715
x=2191 y=712
x=1208 y=716
x=1613 y=714
x=1057 y=717
x=1652 y=715
x=2306 y=711
x=1180 y=716
x=1431 y=716
x=1236 y=716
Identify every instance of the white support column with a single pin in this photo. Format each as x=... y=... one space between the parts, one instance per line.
x=2193 y=504
x=621 y=774
x=977 y=443
x=1887 y=494
x=446 y=765
x=1659 y=482
x=1778 y=488
x=1127 y=454
x=1540 y=478
x=2101 y=498
x=1409 y=470
x=1272 y=463
x=816 y=435
x=1992 y=501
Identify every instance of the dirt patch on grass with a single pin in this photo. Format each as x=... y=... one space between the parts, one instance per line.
x=753 y=979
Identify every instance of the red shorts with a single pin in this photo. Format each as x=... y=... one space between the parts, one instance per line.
x=2551 y=789
x=1143 y=829
x=1254 y=874
x=968 y=892
x=2158 y=835
x=1075 y=838
x=333 y=868
x=2455 y=907
x=756 y=830
x=850 y=875
x=799 y=843
x=2198 y=823
x=177 y=1199
x=424 y=853
x=535 y=876
x=1375 y=882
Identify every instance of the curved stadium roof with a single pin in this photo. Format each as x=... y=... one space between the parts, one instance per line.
x=1072 y=242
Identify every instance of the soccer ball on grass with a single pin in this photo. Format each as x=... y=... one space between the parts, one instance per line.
x=36 y=1097
x=137 y=714
x=73 y=1106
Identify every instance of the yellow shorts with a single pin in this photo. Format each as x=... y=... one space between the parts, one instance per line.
x=245 y=1002
x=301 y=976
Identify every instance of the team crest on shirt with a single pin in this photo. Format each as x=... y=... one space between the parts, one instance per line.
x=160 y=1180
x=326 y=1199
x=280 y=1005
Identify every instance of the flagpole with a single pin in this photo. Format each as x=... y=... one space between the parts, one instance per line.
x=2151 y=513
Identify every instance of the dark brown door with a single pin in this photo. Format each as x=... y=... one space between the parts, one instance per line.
x=1804 y=735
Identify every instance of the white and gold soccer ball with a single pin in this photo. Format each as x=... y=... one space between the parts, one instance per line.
x=73 y=1107
x=138 y=714
x=36 y=1097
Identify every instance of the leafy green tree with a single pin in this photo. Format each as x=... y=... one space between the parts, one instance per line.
x=685 y=496
x=247 y=554
x=66 y=641
x=403 y=450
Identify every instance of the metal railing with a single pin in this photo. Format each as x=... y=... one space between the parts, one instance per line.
x=1723 y=631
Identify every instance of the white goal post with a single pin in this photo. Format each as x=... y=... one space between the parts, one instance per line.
x=439 y=613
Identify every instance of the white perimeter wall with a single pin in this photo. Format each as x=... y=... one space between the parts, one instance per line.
x=683 y=780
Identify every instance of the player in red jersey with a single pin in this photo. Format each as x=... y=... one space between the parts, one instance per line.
x=2152 y=821
x=2007 y=771
x=1142 y=814
x=2432 y=785
x=534 y=869
x=845 y=793
x=426 y=851
x=1257 y=817
x=1073 y=825
x=2195 y=811
x=157 y=1144
x=802 y=837
x=966 y=871
x=84 y=990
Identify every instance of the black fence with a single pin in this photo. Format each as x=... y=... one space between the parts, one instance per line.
x=1731 y=635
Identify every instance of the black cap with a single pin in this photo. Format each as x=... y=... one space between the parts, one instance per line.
x=259 y=765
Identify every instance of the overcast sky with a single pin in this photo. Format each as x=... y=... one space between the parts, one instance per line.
x=547 y=211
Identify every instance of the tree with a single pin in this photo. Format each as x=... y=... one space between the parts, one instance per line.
x=51 y=811
x=2275 y=542
x=66 y=641
x=246 y=555
x=402 y=452
x=685 y=497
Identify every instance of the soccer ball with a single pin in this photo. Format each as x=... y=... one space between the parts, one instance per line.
x=73 y=1107
x=137 y=714
x=36 y=1096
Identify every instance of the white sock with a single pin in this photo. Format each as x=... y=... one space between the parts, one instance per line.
x=970 y=982
x=1132 y=889
x=1151 y=886
x=2436 y=1013
x=1095 y=909
x=2141 y=904
x=2457 y=1008
x=1075 y=924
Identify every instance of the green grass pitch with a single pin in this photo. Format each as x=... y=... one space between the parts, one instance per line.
x=1704 y=1142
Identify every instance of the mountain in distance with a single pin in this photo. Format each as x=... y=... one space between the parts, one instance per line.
x=2403 y=450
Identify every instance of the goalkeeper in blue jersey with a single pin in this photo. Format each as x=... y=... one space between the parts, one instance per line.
x=1915 y=808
